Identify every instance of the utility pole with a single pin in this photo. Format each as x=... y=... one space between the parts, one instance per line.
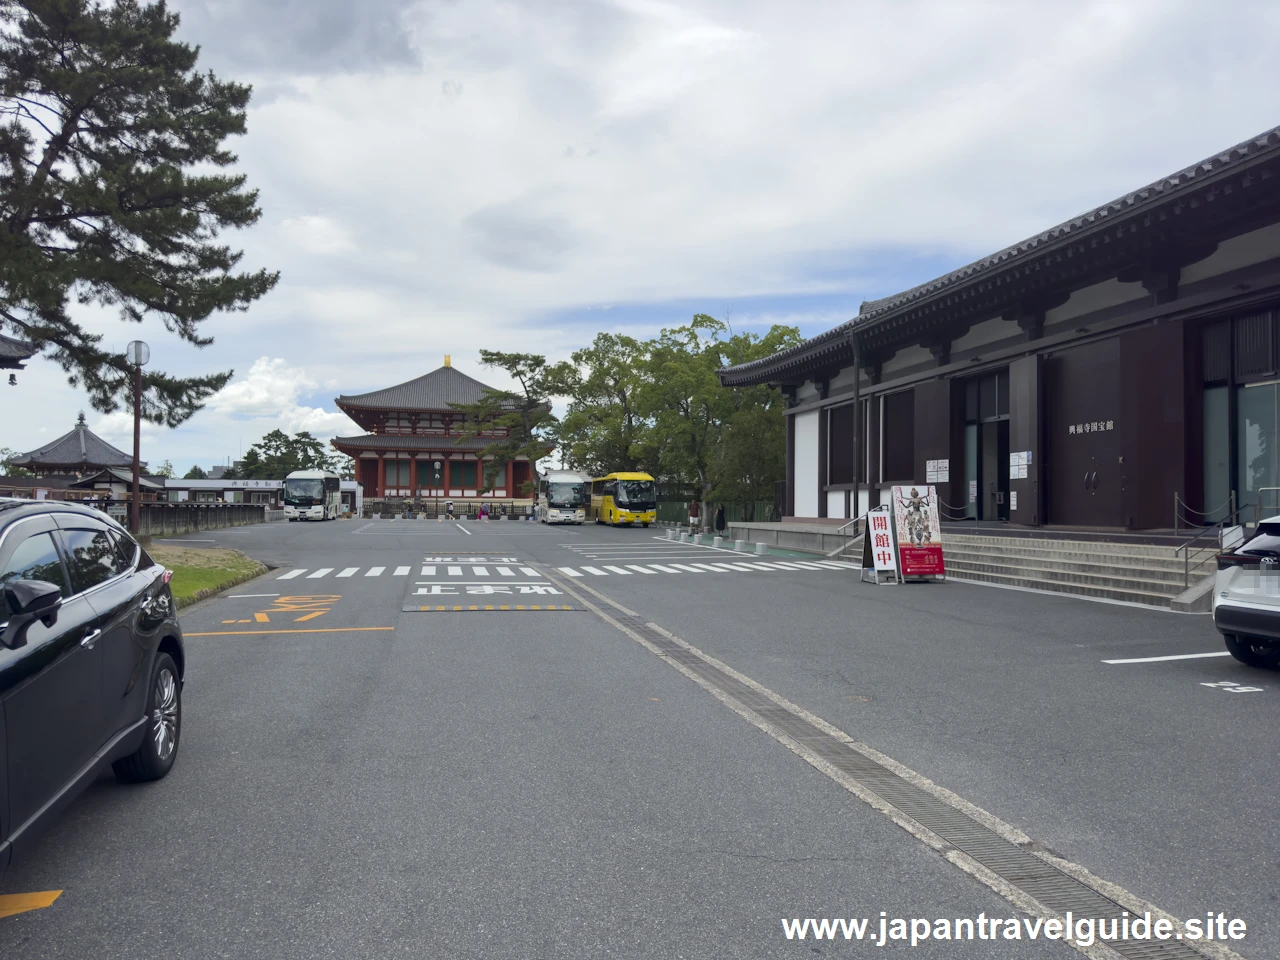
x=137 y=353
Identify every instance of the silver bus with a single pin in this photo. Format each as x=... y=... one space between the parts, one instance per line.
x=312 y=495
x=563 y=496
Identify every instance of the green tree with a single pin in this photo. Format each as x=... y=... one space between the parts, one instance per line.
x=602 y=429
x=7 y=469
x=164 y=470
x=195 y=473
x=113 y=190
x=722 y=441
x=517 y=423
x=277 y=455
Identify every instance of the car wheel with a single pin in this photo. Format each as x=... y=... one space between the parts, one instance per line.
x=1253 y=652
x=154 y=758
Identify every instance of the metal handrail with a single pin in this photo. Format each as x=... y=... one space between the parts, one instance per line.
x=849 y=538
x=1216 y=530
x=945 y=508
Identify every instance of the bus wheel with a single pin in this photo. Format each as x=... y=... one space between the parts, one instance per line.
x=645 y=525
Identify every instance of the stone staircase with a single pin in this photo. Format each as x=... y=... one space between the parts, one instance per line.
x=1134 y=572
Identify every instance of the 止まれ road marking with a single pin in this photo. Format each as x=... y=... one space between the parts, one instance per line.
x=12 y=904
x=1175 y=656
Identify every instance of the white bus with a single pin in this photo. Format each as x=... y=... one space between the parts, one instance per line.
x=312 y=495
x=563 y=496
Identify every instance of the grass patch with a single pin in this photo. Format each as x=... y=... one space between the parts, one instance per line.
x=196 y=570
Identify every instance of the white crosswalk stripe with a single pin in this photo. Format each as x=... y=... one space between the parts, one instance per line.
x=428 y=570
x=776 y=566
x=401 y=572
x=374 y=571
x=319 y=573
x=291 y=574
x=349 y=572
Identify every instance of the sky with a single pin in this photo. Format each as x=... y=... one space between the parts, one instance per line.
x=439 y=176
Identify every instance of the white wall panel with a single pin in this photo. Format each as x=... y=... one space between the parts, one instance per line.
x=806 y=473
x=835 y=504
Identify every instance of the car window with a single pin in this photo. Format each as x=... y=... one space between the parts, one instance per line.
x=126 y=548
x=35 y=558
x=92 y=557
x=1265 y=544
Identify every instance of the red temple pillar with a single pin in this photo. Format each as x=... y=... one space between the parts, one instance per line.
x=382 y=476
x=413 y=475
x=511 y=473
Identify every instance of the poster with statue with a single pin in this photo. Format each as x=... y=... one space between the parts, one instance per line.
x=915 y=515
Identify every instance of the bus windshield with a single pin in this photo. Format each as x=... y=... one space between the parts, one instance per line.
x=565 y=495
x=299 y=490
x=635 y=493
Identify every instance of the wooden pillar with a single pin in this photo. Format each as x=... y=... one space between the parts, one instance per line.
x=824 y=418
x=413 y=475
x=511 y=479
x=448 y=474
x=789 y=505
x=382 y=475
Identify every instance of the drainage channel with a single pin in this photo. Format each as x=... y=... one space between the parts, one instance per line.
x=1039 y=880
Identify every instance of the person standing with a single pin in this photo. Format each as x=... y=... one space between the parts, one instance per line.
x=693 y=518
x=720 y=520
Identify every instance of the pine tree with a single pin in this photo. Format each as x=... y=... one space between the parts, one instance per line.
x=113 y=190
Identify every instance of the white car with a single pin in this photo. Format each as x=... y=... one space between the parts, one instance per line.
x=1246 y=597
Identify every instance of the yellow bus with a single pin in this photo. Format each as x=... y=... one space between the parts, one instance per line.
x=624 y=498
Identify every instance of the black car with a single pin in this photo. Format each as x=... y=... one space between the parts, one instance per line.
x=91 y=663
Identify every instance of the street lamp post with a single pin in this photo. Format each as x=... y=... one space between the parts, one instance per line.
x=137 y=353
x=435 y=486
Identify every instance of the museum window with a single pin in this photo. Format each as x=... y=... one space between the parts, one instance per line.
x=840 y=445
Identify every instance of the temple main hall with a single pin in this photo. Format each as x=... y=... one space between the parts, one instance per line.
x=415 y=445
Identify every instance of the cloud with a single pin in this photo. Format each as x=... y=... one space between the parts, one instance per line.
x=270 y=394
x=444 y=177
x=316 y=235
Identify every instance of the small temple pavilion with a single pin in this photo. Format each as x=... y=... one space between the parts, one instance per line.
x=13 y=353
x=76 y=453
x=415 y=445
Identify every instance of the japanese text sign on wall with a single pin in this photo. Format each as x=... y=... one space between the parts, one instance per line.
x=919 y=533
x=1091 y=426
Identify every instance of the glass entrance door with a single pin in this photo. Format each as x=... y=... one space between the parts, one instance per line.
x=1257 y=415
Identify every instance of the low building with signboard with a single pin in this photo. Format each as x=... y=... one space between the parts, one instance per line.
x=265 y=492
x=1119 y=371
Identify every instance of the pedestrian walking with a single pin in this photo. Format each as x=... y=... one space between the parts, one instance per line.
x=693 y=518
x=720 y=520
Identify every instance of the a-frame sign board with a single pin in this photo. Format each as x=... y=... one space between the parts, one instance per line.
x=879 y=547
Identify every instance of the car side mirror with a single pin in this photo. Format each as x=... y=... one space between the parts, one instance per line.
x=29 y=601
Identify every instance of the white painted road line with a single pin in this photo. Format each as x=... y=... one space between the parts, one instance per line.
x=530 y=572
x=463 y=529
x=1176 y=656
x=480 y=571
x=595 y=572
x=249 y=596
x=505 y=571
x=349 y=572
x=375 y=571
x=455 y=571
x=617 y=570
x=319 y=573
x=428 y=570
x=401 y=572
x=570 y=572
x=291 y=574
x=686 y=568
x=639 y=569
x=658 y=566
x=707 y=566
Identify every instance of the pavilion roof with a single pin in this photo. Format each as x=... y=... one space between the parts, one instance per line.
x=77 y=451
x=13 y=352
x=438 y=390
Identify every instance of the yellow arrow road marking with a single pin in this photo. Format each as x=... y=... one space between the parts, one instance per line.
x=12 y=904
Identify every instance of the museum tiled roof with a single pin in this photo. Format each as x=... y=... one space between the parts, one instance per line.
x=408 y=442
x=1264 y=146
x=438 y=390
x=79 y=450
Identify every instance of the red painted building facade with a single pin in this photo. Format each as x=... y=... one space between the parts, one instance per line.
x=416 y=447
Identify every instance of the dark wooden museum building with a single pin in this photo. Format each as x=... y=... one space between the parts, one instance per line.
x=1104 y=374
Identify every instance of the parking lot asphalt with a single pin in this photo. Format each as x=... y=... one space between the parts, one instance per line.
x=360 y=776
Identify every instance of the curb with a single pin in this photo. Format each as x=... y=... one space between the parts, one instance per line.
x=208 y=592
